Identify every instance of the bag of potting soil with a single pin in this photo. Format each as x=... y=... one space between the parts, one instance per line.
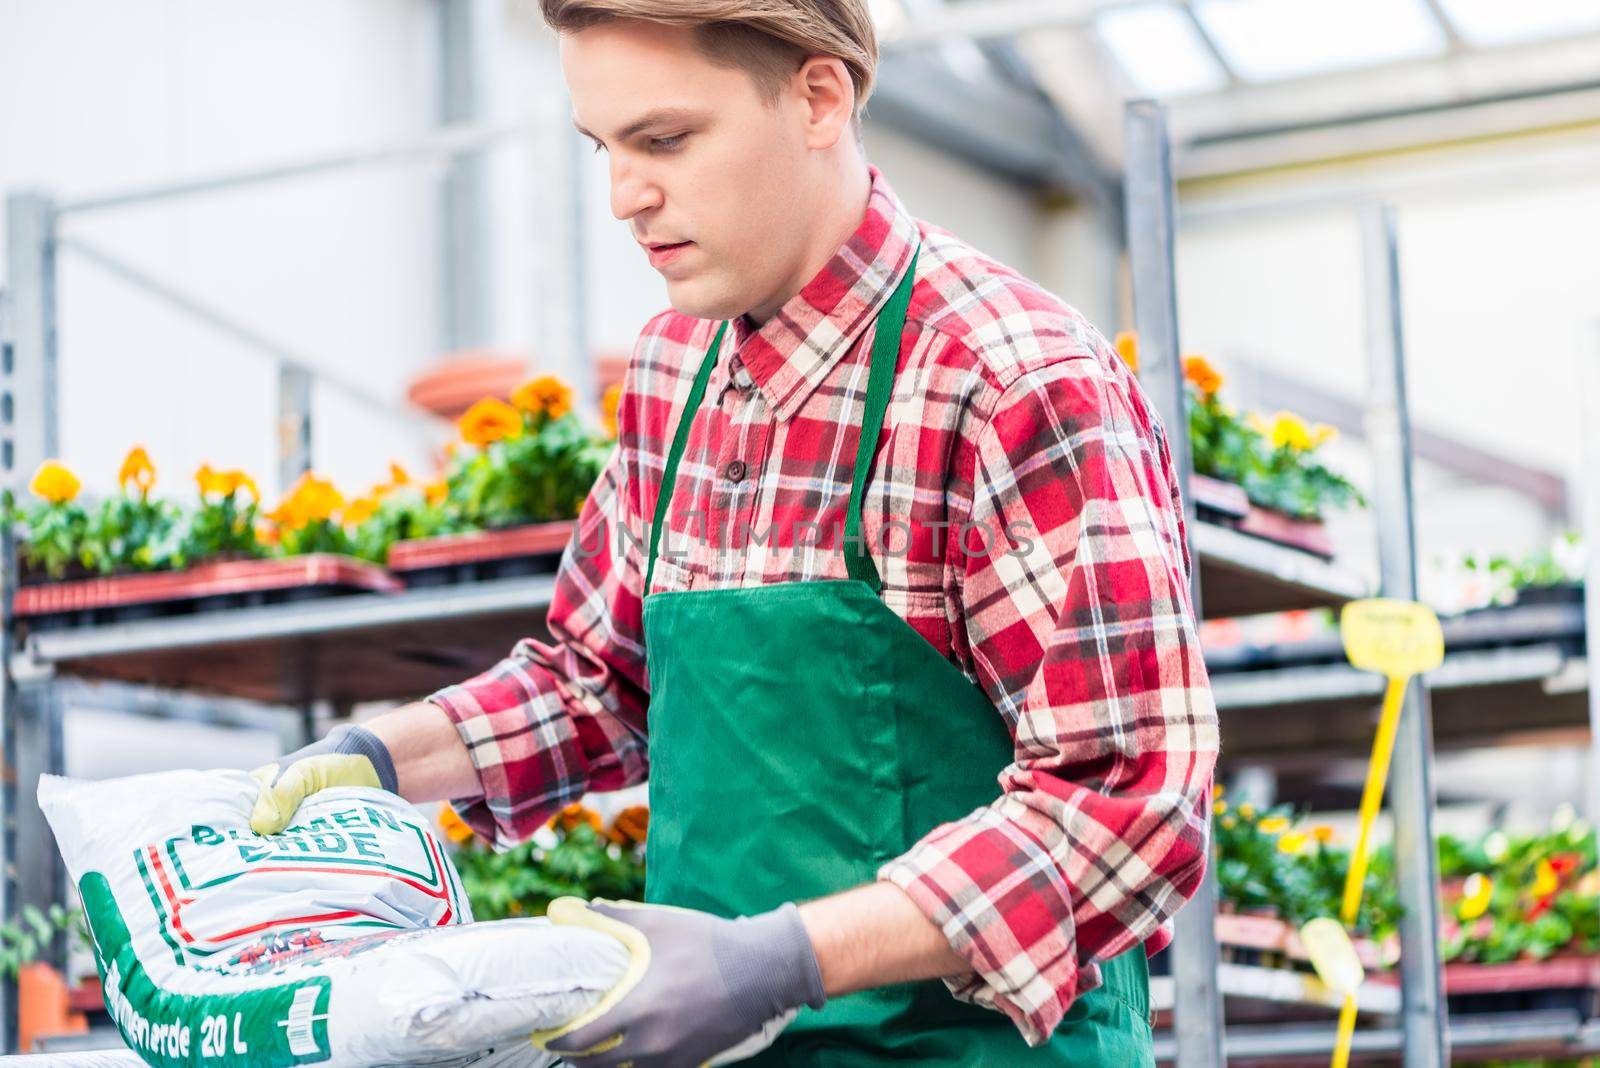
x=346 y=940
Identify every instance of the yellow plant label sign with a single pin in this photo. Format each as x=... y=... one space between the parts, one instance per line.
x=1396 y=639
x=1333 y=955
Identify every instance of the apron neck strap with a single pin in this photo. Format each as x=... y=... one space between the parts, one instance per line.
x=880 y=382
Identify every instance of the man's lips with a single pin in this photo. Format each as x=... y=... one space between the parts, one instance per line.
x=662 y=254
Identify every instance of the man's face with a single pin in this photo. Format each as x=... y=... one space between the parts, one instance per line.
x=709 y=177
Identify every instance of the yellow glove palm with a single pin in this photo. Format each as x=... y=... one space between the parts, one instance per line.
x=348 y=756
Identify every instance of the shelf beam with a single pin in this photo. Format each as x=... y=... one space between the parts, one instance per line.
x=1411 y=785
x=1150 y=216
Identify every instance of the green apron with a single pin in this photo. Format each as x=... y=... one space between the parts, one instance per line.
x=801 y=735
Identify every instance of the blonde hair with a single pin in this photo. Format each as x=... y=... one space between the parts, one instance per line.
x=767 y=38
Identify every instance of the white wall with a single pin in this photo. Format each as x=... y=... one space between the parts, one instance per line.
x=1500 y=303
x=104 y=96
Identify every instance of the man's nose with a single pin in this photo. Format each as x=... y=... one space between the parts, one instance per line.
x=632 y=190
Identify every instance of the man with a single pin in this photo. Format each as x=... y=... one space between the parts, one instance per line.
x=917 y=651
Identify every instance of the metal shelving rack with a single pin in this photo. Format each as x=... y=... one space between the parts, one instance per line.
x=377 y=647
x=300 y=659
x=1510 y=674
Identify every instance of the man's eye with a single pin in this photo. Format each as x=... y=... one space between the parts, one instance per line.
x=666 y=144
x=598 y=146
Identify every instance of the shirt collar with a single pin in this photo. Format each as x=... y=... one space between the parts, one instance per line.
x=793 y=351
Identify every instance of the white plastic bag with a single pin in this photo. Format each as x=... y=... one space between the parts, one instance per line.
x=344 y=941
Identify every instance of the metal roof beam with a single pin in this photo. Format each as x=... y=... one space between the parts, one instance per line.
x=994 y=125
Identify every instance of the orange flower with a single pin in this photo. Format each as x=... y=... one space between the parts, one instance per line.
x=546 y=395
x=360 y=510
x=1128 y=348
x=455 y=828
x=1200 y=374
x=1323 y=833
x=398 y=476
x=630 y=826
x=490 y=420
x=55 y=483
x=137 y=468
x=576 y=814
x=610 y=400
x=437 y=491
x=312 y=498
x=267 y=533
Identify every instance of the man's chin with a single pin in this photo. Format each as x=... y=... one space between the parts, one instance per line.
x=692 y=298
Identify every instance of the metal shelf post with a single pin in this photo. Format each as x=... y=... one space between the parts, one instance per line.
x=1411 y=791
x=1148 y=201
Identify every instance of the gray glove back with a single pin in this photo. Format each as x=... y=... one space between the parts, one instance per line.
x=713 y=985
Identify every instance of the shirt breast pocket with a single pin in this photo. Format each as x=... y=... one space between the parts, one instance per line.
x=670 y=577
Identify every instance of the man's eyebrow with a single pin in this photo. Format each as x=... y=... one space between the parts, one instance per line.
x=643 y=122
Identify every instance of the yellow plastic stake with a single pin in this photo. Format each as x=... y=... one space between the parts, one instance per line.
x=1395 y=639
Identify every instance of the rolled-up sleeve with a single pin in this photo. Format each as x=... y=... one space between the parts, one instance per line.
x=1082 y=632
x=555 y=719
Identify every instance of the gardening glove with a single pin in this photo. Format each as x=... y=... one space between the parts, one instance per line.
x=700 y=990
x=348 y=756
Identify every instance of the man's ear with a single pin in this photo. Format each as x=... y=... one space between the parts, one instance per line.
x=828 y=95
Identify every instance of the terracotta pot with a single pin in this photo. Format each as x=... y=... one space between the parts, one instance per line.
x=461 y=379
x=42 y=1005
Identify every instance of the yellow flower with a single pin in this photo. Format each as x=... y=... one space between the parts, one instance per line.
x=238 y=480
x=312 y=498
x=1321 y=434
x=1247 y=811
x=1272 y=825
x=1127 y=344
x=1290 y=431
x=1201 y=375
x=455 y=828
x=1292 y=843
x=1475 y=895
x=55 y=483
x=1219 y=807
x=137 y=468
x=211 y=481
x=490 y=420
x=225 y=483
x=1545 y=880
x=609 y=402
x=1229 y=823
x=1216 y=791
x=546 y=395
x=360 y=510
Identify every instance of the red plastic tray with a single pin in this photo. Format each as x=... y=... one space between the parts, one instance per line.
x=205 y=580
x=445 y=550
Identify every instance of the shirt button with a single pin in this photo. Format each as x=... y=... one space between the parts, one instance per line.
x=734 y=472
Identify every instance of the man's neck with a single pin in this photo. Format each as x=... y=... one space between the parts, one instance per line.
x=839 y=221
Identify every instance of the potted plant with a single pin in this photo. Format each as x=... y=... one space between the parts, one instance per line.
x=574 y=854
x=1550 y=575
x=516 y=481
x=133 y=557
x=1256 y=475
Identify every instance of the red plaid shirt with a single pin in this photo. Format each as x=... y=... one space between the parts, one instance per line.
x=1036 y=540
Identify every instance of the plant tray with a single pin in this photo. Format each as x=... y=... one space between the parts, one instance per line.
x=1225 y=504
x=207 y=587
x=1270 y=936
x=1216 y=500
x=480 y=555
